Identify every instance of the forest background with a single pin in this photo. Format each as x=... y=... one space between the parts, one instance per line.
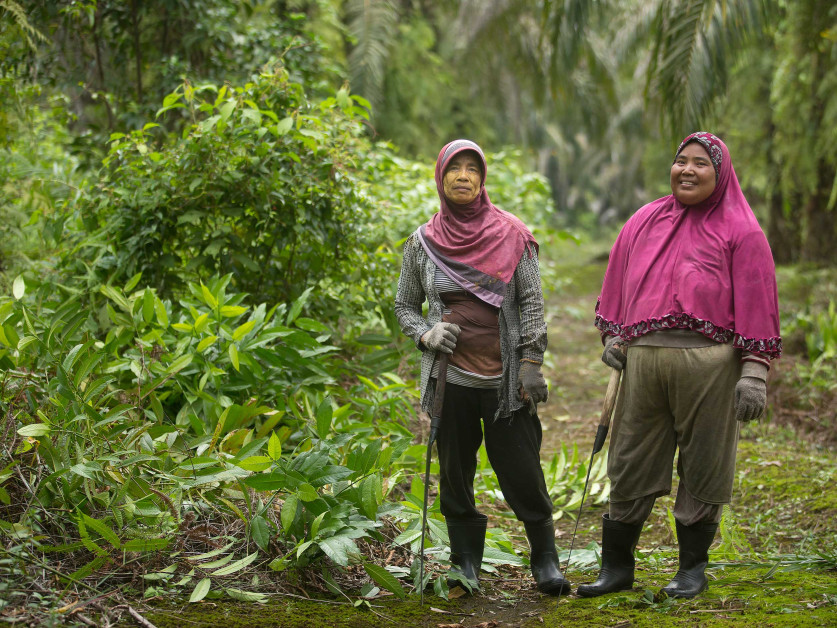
x=204 y=390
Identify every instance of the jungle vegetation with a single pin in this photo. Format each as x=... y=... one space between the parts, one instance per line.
x=204 y=392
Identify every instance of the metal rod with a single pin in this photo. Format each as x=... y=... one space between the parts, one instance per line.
x=435 y=423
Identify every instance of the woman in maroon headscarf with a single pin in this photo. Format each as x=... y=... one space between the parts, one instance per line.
x=477 y=268
x=689 y=310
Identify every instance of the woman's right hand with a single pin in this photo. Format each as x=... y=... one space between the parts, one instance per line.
x=613 y=355
x=441 y=337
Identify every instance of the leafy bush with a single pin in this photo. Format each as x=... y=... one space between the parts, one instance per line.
x=130 y=436
x=258 y=186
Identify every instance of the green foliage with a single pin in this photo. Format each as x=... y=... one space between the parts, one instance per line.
x=259 y=185
x=37 y=172
x=138 y=416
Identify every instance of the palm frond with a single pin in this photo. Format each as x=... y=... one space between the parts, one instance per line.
x=19 y=16
x=373 y=25
x=695 y=46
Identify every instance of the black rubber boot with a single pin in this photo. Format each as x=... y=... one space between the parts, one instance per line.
x=543 y=558
x=694 y=541
x=618 y=544
x=467 y=540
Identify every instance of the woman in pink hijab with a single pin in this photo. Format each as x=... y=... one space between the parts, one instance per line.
x=476 y=266
x=689 y=312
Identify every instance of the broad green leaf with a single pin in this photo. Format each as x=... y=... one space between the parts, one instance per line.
x=36 y=429
x=297 y=306
x=208 y=297
x=205 y=343
x=370 y=495
x=202 y=322
x=338 y=548
x=200 y=590
x=180 y=363
x=315 y=525
x=246 y=596
x=260 y=530
x=132 y=283
x=184 y=327
x=255 y=463
x=307 y=493
x=324 y=413
x=284 y=126
x=212 y=553
x=224 y=560
x=18 y=288
x=242 y=330
x=25 y=342
x=237 y=565
x=288 y=514
x=233 y=351
x=86 y=469
x=162 y=316
x=274 y=447
x=148 y=306
x=115 y=295
x=226 y=109
x=385 y=579
x=231 y=311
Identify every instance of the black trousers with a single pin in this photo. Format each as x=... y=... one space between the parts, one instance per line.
x=513 y=445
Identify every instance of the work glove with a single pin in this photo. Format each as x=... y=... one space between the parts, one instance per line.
x=751 y=392
x=613 y=355
x=531 y=386
x=441 y=337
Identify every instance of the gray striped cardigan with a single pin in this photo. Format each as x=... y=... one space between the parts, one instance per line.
x=522 y=325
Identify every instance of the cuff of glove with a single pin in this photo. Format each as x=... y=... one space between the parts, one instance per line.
x=754 y=369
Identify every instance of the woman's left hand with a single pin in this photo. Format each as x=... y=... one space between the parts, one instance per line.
x=531 y=383
x=750 y=398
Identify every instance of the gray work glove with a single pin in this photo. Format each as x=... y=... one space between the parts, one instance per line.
x=751 y=392
x=531 y=386
x=613 y=355
x=441 y=337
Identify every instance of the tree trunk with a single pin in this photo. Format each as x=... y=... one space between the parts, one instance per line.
x=137 y=49
x=782 y=232
x=821 y=223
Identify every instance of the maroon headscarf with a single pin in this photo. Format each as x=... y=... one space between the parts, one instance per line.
x=704 y=267
x=477 y=245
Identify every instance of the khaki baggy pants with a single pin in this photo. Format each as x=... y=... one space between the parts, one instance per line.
x=674 y=399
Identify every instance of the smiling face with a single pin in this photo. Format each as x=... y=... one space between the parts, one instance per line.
x=692 y=175
x=463 y=178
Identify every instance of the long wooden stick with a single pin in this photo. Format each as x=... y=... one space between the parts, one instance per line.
x=435 y=423
x=601 y=435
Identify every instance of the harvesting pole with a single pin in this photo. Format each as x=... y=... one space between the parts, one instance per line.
x=601 y=435
x=435 y=423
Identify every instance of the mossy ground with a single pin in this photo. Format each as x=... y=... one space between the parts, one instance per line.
x=777 y=566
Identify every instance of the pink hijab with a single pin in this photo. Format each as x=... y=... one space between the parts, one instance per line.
x=477 y=245
x=704 y=267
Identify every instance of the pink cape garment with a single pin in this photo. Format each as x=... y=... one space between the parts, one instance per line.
x=704 y=267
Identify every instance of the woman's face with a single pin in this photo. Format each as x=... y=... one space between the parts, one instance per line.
x=463 y=178
x=692 y=175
